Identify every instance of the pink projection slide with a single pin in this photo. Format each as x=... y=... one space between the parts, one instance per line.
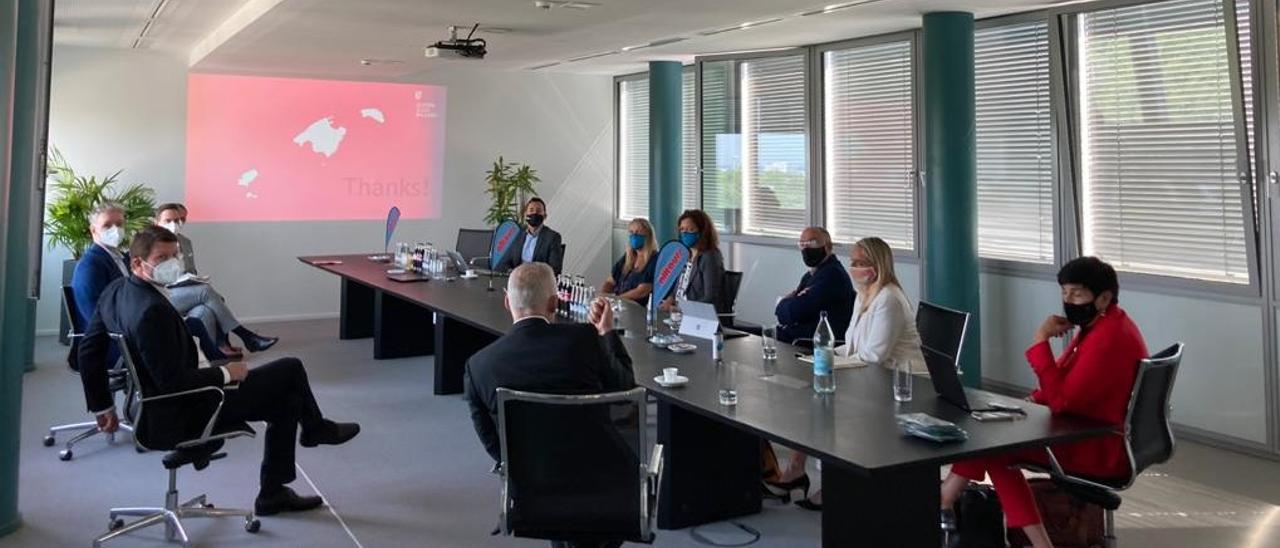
x=278 y=149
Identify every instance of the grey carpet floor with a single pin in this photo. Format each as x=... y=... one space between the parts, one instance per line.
x=417 y=476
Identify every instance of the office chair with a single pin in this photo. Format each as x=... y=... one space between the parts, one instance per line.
x=1148 y=437
x=730 y=285
x=942 y=330
x=118 y=379
x=571 y=467
x=197 y=452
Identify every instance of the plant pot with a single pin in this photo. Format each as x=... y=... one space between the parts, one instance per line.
x=68 y=270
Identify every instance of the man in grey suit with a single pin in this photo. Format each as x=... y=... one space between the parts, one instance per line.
x=537 y=243
x=198 y=299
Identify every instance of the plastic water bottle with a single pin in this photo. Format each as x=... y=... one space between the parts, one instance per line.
x=824 y=380
x=717 y=346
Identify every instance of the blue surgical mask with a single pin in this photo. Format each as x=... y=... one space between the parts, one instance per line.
x=690 y=238
x=637 y=241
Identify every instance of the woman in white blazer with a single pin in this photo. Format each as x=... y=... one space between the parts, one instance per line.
x=883 y=328
x=881 y=332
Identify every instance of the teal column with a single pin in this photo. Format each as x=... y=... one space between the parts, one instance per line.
x=25 y=204
x=665 y=80
x=10 y=372
x=950 y=173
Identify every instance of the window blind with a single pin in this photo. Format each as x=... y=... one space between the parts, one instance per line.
x=1014 y=143
x=689 y=142
x=1160 y=152
x=633 y=148
x=870 y=144
x=721 y=146
x=775 y=146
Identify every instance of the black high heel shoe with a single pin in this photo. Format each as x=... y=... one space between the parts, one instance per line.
x=782 y=491
x=809 y=505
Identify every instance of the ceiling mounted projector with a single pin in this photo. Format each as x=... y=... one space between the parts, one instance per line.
x=459 y=48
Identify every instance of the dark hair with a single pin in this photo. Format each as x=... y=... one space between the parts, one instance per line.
x=1093 y=273
x=709 y=239
x=168 y=206
x=146 y=239
x=535 y=199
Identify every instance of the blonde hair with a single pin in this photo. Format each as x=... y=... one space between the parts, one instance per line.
x=881 y=257
x=637 y=259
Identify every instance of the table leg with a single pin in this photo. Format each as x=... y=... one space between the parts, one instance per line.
x=356 y=311
x=711 y=471
x=888 y=508
x=400 y=328
x=455 y=343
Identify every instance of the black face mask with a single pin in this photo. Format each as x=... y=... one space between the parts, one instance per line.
x=813 y=256
x=535 y=220
x=1080 y=314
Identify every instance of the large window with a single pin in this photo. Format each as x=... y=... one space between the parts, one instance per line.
x=1014 y=142
x=633 y=146
x=1161 y=151
x=721 y=144
x=775 y=147
x=868 y=126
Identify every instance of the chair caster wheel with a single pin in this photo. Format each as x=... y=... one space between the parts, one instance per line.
x=49 y=441
x=65 y=455
x=253 y=526
x=207 y=505
x=115 y=524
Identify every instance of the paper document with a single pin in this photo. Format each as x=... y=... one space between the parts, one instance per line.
x=189 y=279
x=841 y=362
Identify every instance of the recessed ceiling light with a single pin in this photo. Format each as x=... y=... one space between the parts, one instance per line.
x=740 y=26
x=371 y=62
x=655 y=43
x=836 y=7
x=591 y=56
x=544 y=65
x=570 y=4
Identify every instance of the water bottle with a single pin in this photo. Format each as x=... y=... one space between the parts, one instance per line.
x=824 y=380
x=717 y=346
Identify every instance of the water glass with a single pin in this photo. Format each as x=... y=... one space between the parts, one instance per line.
x=727 y=378
x=901 y=380
x=676 y=317
x=769 y=342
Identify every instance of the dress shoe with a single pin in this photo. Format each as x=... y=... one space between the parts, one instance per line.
x=284 y=500
x=229 y=352
x=330 y=433
x=258 y=343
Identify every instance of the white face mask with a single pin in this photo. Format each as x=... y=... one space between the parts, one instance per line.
x=173 y=226
x=166 y=272
x=111 y=237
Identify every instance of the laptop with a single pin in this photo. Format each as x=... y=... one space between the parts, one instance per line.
x=406 y=276
x=701 y=320
x=946 y=382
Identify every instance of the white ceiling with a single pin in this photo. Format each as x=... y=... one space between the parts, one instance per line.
x=328 y=38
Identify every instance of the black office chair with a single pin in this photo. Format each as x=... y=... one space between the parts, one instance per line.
x=197 y=452
x=571 y=467
x=118 y=378
x=942 y=330
x=1148 y=437
x=729 y=286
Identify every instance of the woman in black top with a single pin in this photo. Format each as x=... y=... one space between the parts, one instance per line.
x=703 y=278
x=633 y=273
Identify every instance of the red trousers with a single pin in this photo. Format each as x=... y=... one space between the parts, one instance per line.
x=1011 y=486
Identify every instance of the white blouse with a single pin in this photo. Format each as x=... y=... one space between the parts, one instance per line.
x=884 y=332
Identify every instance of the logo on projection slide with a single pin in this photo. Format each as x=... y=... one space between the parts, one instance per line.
x=503 y=236
x=670 y=260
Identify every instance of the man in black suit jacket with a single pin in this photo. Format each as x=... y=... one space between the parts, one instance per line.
x=540 y=356
x=536 y=243
x=166 y=359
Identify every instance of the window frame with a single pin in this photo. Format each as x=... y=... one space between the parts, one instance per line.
x=618 y=221
x=1141 y=281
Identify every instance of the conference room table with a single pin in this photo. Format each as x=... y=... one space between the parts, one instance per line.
x=880 y=488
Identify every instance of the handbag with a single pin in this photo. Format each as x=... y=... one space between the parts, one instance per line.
x=1070 y=522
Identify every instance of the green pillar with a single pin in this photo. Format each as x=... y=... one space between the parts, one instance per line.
x=665 y=80
x=951 y=196
x=25 y=203
x=10 y=372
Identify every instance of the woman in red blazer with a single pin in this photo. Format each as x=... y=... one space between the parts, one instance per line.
x=1092 y=378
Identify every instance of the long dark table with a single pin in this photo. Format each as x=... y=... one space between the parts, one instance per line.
x=880 y=488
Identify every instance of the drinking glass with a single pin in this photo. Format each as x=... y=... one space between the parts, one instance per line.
x=901 y=380
x=726 y=376
x=769 y=342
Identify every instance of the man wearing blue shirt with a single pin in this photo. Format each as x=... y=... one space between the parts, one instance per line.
x=826 y=287
x=537 y=243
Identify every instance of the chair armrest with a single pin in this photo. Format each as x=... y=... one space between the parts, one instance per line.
x=213 y=419
x=74 y=335
x=655 y=461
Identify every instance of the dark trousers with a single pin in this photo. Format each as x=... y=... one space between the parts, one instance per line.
x=571 y=544
x=279 y=394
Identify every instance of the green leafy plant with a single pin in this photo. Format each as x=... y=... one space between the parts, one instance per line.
x=73 y=196
x=507 y=181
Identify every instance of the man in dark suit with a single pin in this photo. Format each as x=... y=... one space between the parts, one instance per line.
x=102 y=263
x=277 y=392
x=540 y=356
x=536 y=243
x=825 y=287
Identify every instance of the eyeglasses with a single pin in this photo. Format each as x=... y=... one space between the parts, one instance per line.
x=806 y=244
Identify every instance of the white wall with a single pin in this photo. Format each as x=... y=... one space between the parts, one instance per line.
x=115 y=109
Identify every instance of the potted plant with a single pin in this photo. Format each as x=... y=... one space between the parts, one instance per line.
x=507 y=183
x=73 y=196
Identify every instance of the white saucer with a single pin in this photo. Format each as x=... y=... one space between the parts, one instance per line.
x=468 y=276
x=681 y=380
